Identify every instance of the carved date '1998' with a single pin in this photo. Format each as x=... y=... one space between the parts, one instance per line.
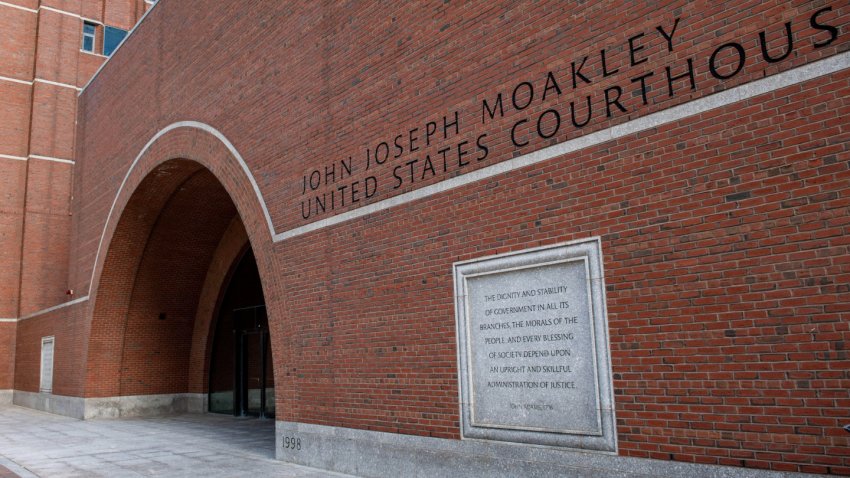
x=291 y=443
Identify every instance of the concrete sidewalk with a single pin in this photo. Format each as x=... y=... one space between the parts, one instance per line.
x=33 y=443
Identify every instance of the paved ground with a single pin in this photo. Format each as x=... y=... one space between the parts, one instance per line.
x=33 y=443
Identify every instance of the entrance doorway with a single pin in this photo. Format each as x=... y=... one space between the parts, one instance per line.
x=241 y=372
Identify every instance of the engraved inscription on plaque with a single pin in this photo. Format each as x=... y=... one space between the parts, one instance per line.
x=533 y=348
x=531 y=353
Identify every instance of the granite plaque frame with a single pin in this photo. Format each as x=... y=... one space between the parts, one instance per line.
x=533 y=349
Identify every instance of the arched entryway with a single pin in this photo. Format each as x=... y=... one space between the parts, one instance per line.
x=179 y=265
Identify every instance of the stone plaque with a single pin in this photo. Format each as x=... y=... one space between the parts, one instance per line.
x=533 y=348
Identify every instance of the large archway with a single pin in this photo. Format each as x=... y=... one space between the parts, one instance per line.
x=178 y=252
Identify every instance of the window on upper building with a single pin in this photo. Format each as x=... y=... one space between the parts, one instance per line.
x=89 y=30
x=112 y=37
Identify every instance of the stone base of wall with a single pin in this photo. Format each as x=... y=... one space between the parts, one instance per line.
x=5 y=397
x=377 y=454
x=112 y=407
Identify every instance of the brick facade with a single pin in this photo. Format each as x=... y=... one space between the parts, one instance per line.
x=42 y=69
x=724 y=232
x=7 y=352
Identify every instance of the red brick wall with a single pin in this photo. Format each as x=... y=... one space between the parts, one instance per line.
x=728 y=318
x=112 y=301
x=72 y=6
x=169 y=280
x=25 y=3
x=69 y=326
x=17 y=44
x=58 y=46
x=38 y=118
x=46 y=236
x=12 y=180
x=314 y=113
x=44 y=255
x=724 y=234
x=15 y=121
x=7 y=355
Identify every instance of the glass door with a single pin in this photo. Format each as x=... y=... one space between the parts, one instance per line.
x=253 y=380
x=241 y=380
x=254 y=363
x=242 y=376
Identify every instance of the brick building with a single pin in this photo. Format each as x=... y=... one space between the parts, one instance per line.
x=50 y=50
x=332 y=214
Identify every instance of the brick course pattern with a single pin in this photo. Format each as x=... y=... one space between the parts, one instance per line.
x=724 y=234
x=7 y=354
x=40 y=46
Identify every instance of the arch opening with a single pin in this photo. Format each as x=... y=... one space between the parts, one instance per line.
x=179 y=258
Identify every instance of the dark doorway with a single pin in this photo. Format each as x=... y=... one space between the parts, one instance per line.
x=241 y=373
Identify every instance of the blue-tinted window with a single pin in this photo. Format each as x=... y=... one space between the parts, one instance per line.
x=112 y=38
x=88 y=37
